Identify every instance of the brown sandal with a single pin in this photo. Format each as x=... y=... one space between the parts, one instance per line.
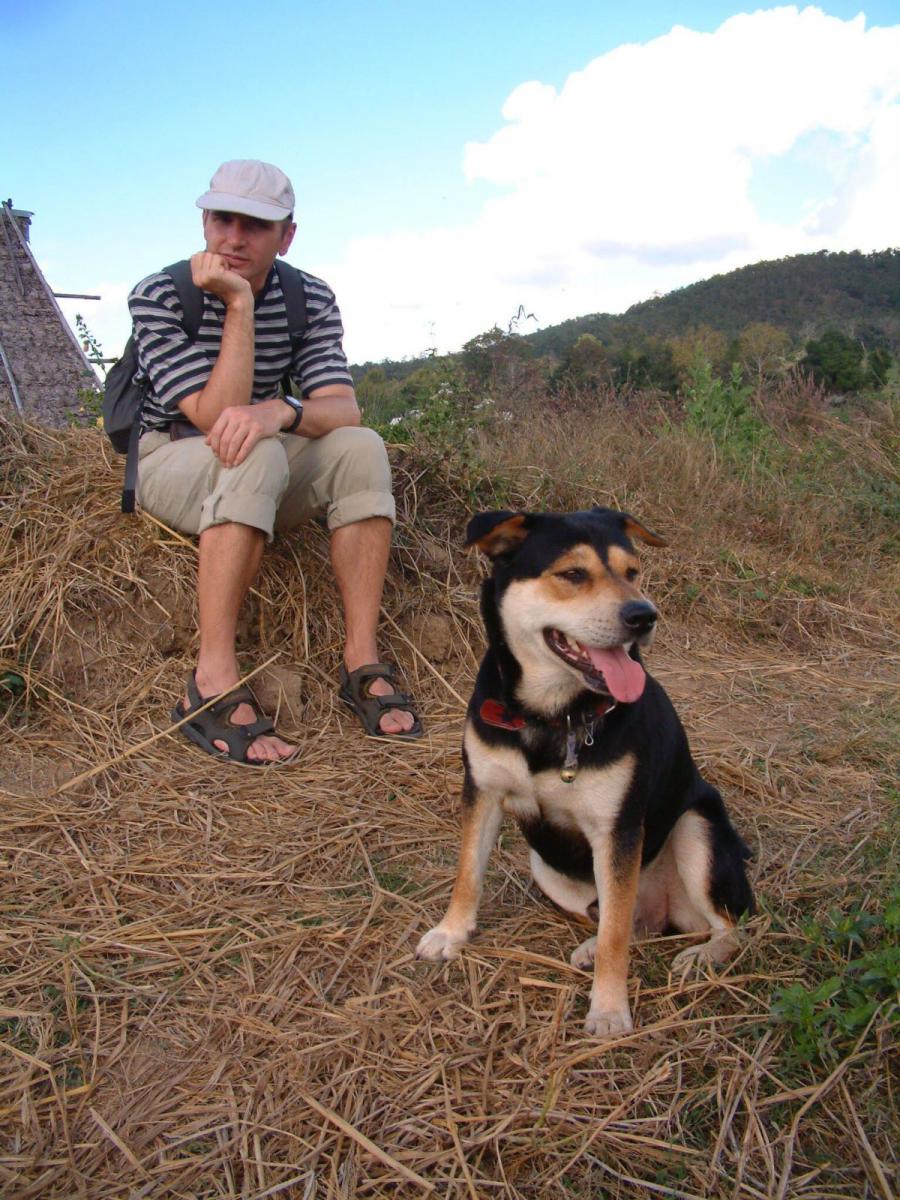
x=370 y=709
x=214 y=724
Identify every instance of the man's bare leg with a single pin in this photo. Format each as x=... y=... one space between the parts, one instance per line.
x=359 y=557
x=229 y=560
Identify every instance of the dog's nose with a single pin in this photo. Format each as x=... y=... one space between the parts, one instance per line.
x=639 y=616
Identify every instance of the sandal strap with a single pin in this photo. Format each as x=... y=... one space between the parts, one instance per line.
x=367 y=672
x=234 y=696
x=263 y=725
x=239 y=737
x=229 y=701
x=394 y=700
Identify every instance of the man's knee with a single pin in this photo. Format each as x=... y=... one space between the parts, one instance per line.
x=361 y=455
x=345 y=475
x=250 y=492
x=362 y=479
x=266 y=462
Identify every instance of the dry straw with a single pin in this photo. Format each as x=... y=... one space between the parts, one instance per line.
x=210 y=989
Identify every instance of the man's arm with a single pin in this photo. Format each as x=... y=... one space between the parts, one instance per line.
x=330 y=407
x=231 y=382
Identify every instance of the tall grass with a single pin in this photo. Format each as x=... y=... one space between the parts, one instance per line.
x=769 y=502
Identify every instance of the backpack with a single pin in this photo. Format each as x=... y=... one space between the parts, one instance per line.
x=123 y=398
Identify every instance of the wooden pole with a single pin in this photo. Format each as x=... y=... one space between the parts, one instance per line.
x=12 y=382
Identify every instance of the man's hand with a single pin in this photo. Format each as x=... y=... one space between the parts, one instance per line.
x=237 y=429
x=212 y=273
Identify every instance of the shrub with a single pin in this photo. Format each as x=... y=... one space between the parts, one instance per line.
x=722 y=409
x=836 y=360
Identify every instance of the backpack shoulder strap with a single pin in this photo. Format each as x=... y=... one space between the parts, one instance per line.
x=191 y=298
x=189 y=294
x=294 y=292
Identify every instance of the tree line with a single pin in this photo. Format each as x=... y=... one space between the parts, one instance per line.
x=834 y=317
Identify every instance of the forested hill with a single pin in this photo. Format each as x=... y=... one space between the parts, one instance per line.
x=857 y=293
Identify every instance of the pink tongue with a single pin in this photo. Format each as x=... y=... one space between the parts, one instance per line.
x=624 y=677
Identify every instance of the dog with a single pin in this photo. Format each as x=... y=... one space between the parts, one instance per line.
x=567 y=732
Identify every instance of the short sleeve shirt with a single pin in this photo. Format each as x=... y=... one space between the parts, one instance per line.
x=175 y=367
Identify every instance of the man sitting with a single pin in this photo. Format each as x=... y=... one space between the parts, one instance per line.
x=223 y=455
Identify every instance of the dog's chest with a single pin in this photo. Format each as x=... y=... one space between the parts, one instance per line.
x=590 y=801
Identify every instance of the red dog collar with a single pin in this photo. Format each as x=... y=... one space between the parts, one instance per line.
x=492 y=712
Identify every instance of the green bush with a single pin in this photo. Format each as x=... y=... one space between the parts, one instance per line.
x=836 y=360
x=722 y=409
x=858 y=953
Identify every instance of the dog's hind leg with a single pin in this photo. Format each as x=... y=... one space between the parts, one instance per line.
x=482 y=815
x=572 y=895
x=709 y=858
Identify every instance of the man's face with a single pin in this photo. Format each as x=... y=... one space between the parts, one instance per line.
x=247 y=244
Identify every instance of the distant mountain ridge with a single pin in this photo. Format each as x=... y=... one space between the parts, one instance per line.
x=803 y=294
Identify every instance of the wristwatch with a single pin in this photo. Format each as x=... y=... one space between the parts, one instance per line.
x=297 y=406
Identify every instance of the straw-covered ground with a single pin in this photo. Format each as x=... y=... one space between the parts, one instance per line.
x=209 y=981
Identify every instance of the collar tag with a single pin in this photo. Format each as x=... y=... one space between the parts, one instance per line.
x=570 y=766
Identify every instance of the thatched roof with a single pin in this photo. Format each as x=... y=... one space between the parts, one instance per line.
x=44 y=373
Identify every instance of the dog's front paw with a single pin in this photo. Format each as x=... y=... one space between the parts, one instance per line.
x=439 y=945
x=608 y=1024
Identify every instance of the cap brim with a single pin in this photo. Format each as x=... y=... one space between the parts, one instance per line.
x=224 y=202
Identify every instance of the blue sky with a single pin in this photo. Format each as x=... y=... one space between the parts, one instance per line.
x=452 y=162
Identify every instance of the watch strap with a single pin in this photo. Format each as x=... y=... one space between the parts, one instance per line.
x=297 y=406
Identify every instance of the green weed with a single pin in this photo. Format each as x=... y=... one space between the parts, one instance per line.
x=394 y=881
x=854 y=961
x=91 y=346
x=12 y=688
x=15 y=1032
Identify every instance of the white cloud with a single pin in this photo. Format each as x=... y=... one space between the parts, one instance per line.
x=635 y=177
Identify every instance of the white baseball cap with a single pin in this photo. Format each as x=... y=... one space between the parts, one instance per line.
x=255 y=189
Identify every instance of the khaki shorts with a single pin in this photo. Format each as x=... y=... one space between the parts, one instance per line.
x=285 y=480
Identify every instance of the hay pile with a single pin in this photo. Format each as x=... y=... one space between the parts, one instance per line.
x=209 y=987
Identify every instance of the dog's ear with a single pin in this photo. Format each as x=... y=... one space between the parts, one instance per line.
x=635 y=529
x=496 y=533
x=631 y=526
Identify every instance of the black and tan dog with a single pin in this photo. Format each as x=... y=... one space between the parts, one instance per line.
x=566 y=732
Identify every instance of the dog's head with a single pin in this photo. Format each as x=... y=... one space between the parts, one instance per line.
x=565 y=600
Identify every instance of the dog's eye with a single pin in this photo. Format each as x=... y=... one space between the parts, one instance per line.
x=631 y=574
x=574 y=575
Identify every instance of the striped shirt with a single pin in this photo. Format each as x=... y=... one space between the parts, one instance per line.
x=176 y=367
